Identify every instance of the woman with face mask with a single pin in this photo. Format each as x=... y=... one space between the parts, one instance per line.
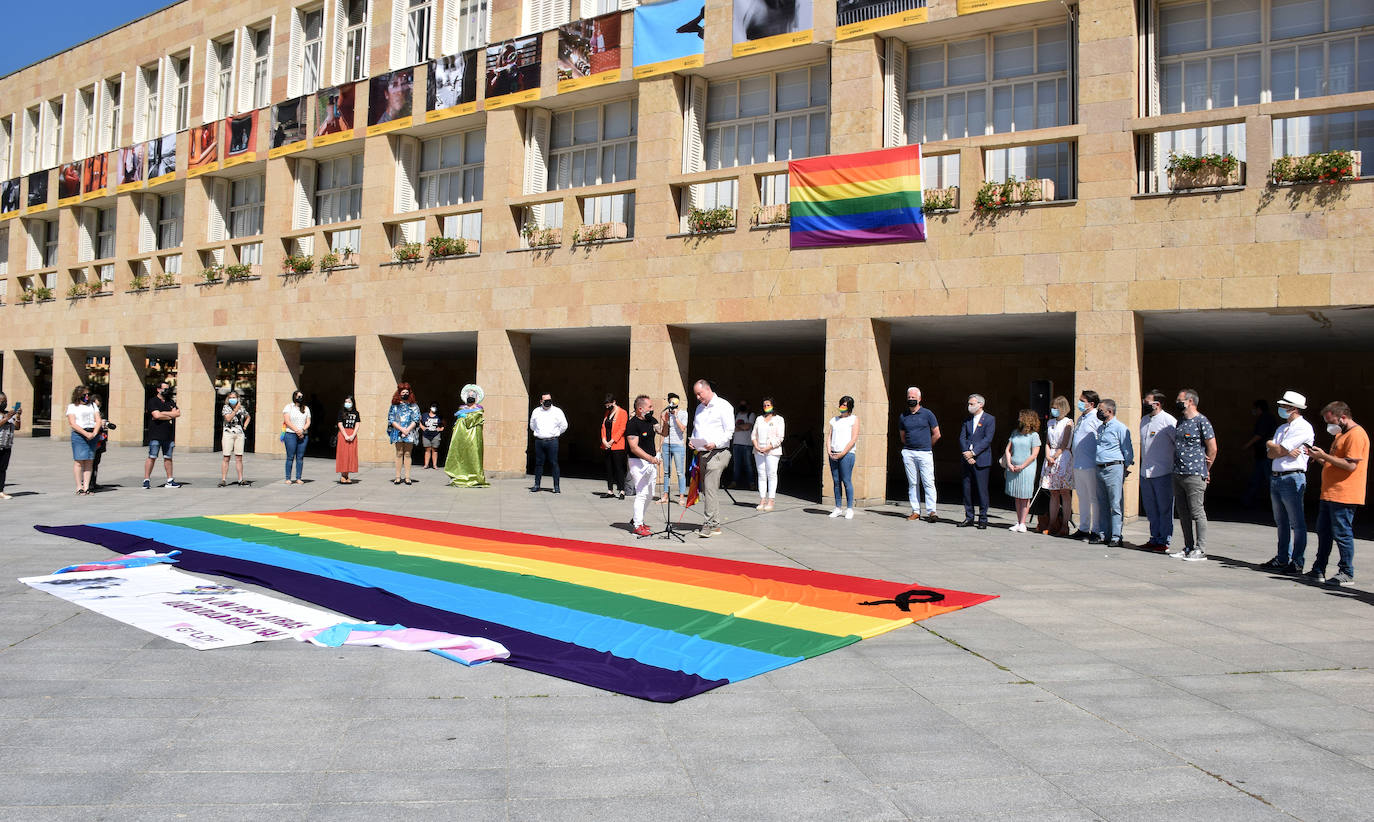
x=1058 y=474
x=84 y=420
x=236 y=420
x=842 y=435
x=346 y=451
x=431 y=434
x=465 y=446
x=295 y=418
x=402 y=425
x=769 y=430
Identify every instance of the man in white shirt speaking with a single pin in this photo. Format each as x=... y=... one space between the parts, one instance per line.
x=712 y=432
x=547 y=423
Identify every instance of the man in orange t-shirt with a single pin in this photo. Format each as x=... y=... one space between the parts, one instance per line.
x=1344 y=471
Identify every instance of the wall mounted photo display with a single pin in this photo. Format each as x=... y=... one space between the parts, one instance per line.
x=769 y=25
x=334 y=114
x=9 y=198
x=669 y=37
x=95 y=178
x=38 y=193
x=288 y=127
x=451 y=90
x=856 y=18
x=513 y=72
x=162 y=160
x=69 y=183
x=204 y=149
x=241 y=139
x=129 y=175
x=390 y=100
x=589 y=53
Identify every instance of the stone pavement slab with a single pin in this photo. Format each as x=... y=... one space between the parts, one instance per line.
x=1102 y=684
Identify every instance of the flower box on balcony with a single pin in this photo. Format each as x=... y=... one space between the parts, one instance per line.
x=598 y=232
x=993 y=196
x=711 y=220
x=1331 y=167
x=1186 y=172
x=536 y=237
x=940 y=199
x=779 y=214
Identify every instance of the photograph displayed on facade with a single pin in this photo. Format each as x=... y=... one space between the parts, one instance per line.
x=204 y=143
x=668 y=37
x=241 y=138
x=130 y=171
x=452 y=87
x=162 y=159
x=69 y=183
x=288 y=127
x=38 y=191
x=390 y=99
x=768 y=25
x=855 y=18
x=95 y=178
x=512 y=72
x=9 y=198
x=334 y=114
x=589 y=53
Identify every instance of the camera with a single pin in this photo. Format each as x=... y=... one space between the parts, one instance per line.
x=110 y=426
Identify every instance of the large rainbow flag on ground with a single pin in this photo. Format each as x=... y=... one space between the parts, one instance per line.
x=857 y=199
x=652 y=624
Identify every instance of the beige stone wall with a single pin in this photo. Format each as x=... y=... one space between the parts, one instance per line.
x=1105 y=256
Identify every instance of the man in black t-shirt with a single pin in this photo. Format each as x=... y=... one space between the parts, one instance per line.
x=161 y=434
x=643 y=457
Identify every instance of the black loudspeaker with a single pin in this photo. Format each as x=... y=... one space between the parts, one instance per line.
x=1041 y=392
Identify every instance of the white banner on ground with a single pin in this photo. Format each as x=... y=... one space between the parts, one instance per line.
x=184 y=608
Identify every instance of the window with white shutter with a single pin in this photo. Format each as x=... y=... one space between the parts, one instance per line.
x=451 y=169
x=54 y=117
x=105 y=234
x=542 y=15
x=694 y=126
x=176 y=90
x=312 y=50
x=537 y=124
x=262 y=66
x=303 y=194
x=217 y=203
x=219 y=79
x=295 y=74
x=33 y=138
x=593 y=145
x=405 y=150
x=37 y=234
x=87 y=227
x=169 y=220
x=111 y=113
x=147 y=82
x=147 y=222
x=472 y=25
x=6 y=145
x=83 y=145
x=339 y=189
x=50 y=243
x=245 y=207
x=351 y=22
x=419 y=30
x=894 y=93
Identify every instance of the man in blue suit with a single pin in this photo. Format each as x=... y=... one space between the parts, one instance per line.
x=975 y=439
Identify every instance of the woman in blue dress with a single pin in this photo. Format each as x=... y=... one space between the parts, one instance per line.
x=402 y=428
x=1019 y=462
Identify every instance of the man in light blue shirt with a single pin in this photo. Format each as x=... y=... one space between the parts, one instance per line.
x=1157 y=431
x=1114 y=453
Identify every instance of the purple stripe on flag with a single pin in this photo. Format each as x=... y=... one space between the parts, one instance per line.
x=890 y=234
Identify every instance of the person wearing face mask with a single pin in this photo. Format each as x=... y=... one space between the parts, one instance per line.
x=1157 y=431
x=643 y=459
x=767 y=436
x=1114 y=454
x=431 y=434
x=842 y=435
x=10 y=421
x=346 y=444
x=741 y=450
x=1288 y=482
x=1195 y=449
x=1345 y=469
x=295 y=418
x=466 y=445
x=1085 y=465
x=613 y=446
x=1057 y=478
x=547 y=424
x=402 y=426
x=674 y=447
x=975 y=444
x=235 y=420
x=84 y=421
x=919 y=431
x=163 y=411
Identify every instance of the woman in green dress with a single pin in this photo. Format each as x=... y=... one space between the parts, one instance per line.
x=464 y=462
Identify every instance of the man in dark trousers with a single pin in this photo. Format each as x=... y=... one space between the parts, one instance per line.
x=975 y=441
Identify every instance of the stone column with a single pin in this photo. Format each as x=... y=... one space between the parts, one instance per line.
x=20 y=379
x=503 y=371
x=197 y=427
x=127 y=402
x=857 y=356
x=856 y=96
x=68 y=371
x=658 y=363
x=378 y=366
x=1109 y=354
x=279 y=374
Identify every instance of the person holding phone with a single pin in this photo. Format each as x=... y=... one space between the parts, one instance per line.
x=10 y=420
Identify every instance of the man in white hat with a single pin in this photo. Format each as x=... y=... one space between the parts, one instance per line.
x=1288 y=482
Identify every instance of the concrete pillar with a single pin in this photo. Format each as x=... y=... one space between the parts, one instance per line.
x=20 y=380
x=1109 y=354
x=503 y=371
x=279 y=374
x=658 y=363
x=857 y=359
x=197 y=366
x=856 y=95
x=68 y=371
x=378 y=366
x=1259 y=151
x=128 y=393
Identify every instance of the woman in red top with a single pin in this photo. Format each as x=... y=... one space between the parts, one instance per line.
x=613 y=444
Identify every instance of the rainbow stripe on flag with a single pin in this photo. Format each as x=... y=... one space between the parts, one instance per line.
x=857 y=199
x=653 y=624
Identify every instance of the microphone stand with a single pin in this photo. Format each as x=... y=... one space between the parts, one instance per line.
x=668 y=532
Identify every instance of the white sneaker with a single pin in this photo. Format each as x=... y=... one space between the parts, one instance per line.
x=1177 y=554
x=1015 y=528
x=849 y=513
x=836 y=512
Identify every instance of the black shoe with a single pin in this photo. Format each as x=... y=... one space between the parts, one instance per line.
x=1275 y=564
x=968 y=523
x=982 y=526
x=1114 y=542
x=1079 y=534
x=534 y=489
x=932 y=518
x=1095 y=540
x=1315 y=574
x=556 y=491
x=1293 y=569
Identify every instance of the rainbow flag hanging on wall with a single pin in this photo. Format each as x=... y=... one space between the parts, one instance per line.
x=652 y=624
x=857 y=199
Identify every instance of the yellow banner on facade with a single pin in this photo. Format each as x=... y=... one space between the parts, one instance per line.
x=452 y=111
x=777 y=41
x=289 y=148
x=605 y=78
x=239 y=159
x=331 y=139
x=974 y=6
x=161 y=179
x=670 y=66
x=204 y=168
x=890 y=21
x=505 y=100
x=389 y=125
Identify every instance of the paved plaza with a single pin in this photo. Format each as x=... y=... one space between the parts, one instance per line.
x=1102 y=684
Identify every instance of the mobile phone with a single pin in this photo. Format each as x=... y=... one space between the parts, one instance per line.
x=18 y=406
